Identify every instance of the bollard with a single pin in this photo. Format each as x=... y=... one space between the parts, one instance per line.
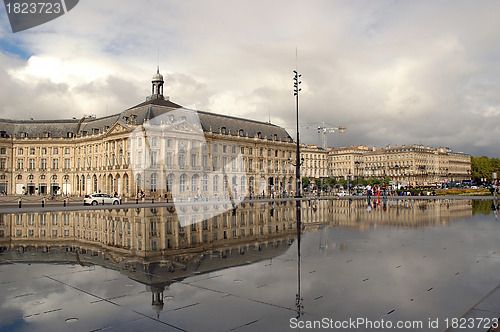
x=20 y=203
x=64 y=202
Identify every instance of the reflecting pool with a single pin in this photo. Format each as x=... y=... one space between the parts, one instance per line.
x=424 y=264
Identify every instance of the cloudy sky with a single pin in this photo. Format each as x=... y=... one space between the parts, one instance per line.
x=393 y=72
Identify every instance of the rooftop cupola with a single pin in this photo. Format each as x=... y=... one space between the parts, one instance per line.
x=157 y=88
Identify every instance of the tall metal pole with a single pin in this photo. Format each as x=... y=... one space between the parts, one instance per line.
x=296 y=91
x=298 y=299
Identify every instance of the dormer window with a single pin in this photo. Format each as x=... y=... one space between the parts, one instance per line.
x=242 y=132
x=259 y=134
x=23 y=134
x=223 y=130
x=69 y=134
x=46 y=134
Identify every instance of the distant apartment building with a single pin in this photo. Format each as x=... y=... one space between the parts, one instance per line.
x=408 y=165
x=315 y=161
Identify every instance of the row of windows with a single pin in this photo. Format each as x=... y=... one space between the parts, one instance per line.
x=32 y=151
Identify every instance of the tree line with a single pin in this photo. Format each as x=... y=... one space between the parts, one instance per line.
x=482 y=168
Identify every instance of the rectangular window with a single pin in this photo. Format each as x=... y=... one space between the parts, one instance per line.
x=169 y=159
x=32 y=151
x=20 y=151
x=3 y=163
x=67 y=163
x=55 y=151
x=66 y=151
x=31 y=163
x=153 y=158
x=205 y=161
x=20 y=163
x=193 y=160
x=55 y=163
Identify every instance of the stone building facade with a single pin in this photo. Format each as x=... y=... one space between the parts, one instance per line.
x=408 y=165
x=315 y=161
x=157 y=147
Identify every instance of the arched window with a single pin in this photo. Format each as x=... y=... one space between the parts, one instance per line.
x=194 y=183
x=223 y=130
x=182 y=183
x=138 y=181
x=215 y=185
x=153 y=182
x=234 y=184
x=243 y=184
x=242 y=132
x=170 y=182
x=205 y=183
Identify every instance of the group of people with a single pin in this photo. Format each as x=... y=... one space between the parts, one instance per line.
x=376 y=190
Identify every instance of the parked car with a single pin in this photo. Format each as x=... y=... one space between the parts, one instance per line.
x=341 y=193
x=101 y=199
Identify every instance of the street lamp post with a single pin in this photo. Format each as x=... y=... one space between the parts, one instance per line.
x=296 y=90
x=397 y=182
x=357 y=171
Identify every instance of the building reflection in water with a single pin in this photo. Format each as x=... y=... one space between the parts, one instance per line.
x=156 y=248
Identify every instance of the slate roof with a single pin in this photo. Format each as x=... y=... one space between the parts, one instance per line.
x=38 y=128
x=210 y=122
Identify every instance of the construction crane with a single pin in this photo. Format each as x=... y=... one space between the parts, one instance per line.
x=323 y=130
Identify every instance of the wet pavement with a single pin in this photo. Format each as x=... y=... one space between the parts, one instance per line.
x=429 y=265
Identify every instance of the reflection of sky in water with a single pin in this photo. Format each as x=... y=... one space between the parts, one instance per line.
x=382 y=272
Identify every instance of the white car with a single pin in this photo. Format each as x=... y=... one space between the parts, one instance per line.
x=101 y=199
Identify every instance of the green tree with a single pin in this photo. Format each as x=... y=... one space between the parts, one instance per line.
x=483 y=167
x=305 y=182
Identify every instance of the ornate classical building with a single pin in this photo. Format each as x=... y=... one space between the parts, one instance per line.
x=156 y=147
x=408 y=165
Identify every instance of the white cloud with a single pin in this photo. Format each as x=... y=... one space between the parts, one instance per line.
x=391 y=72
